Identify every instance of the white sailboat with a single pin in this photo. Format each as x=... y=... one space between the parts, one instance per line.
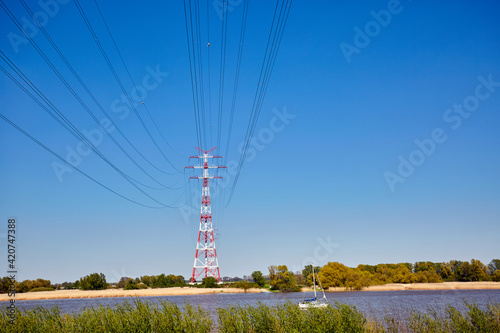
x=314 y=302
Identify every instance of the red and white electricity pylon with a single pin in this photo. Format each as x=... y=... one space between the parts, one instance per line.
x=205 y=259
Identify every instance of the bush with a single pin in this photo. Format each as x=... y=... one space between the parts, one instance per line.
x=258 y=278
x=27 y=285
x=68 y=285
x=244 y=285
x=282 y=279
x=163 y=281
x=209 y=282
x=129 y=284
x=121 y=283
x=41 y=289
x=93 y=281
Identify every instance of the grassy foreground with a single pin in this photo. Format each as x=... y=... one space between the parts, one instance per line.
x=146 y=316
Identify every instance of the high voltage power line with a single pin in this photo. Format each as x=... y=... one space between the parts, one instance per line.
x=8 y=121
x=222 y=68
x=237 y=75
x=193 y=72
x=128 y=72
x=110 y=65
x=63 y=121
x=273 y=44
x=59 y=116
x=193 y=28
x=87 y=109
x=209 y=71
x=196 y=73
x=192 y=25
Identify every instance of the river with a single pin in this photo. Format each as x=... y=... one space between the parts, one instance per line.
x=374 y=304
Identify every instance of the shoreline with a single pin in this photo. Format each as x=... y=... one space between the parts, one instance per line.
x=75 y=293
x=186 y=291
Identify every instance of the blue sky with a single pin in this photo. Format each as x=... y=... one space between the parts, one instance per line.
x=334 y=174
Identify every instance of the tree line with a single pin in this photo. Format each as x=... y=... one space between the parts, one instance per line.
x=333 y=274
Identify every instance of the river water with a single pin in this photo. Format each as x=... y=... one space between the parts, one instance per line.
x=374 y=304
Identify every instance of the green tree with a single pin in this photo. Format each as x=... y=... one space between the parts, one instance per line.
x=164 y=281
x=68 y=285
x=475 y=271
x=446 y=273
x=357 y=279
x=121 y=283
x=258 y=278
x=333 y=274
x=130 y=284
x=94 y=281
x=479 y=270
x=402 y=274
x=494 y=266
x=146 y=280
x=282 y=279
x=369 y=268
x=455 y=265
x=409 y=266
x=209 y=282
x=428 y=276
x=5 y=285
x=464 y=272
x=306 y=273
x=27 y=285
x=421 y=266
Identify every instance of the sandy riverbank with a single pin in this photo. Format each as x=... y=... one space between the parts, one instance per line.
x=425 y=286
x=174 y=291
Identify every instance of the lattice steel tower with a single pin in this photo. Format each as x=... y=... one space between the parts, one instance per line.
x=205 y=259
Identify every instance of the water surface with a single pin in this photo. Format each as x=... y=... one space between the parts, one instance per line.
x=374 y=304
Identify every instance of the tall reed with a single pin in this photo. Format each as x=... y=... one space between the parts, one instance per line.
x=141 y=316
x=289 y=317
x=472 y=320
x=144 y=316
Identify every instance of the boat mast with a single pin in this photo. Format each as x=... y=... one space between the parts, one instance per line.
x=314 y=280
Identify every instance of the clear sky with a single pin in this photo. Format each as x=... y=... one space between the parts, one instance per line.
x=378 y=139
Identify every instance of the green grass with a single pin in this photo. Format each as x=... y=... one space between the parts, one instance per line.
x=289 y=318
x=124 y=317
x=144 y=316
x=344 y=318
x=474 y=320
